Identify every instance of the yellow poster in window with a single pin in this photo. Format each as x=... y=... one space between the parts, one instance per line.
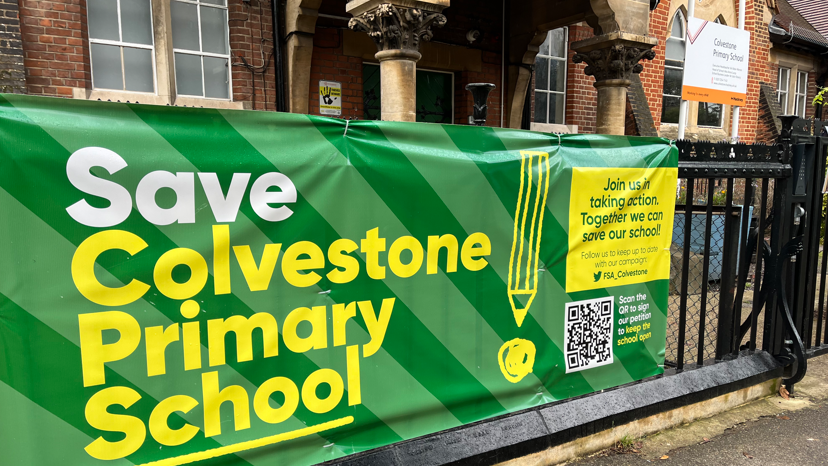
x=620 y=226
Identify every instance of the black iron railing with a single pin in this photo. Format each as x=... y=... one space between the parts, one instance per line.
x=748 y=269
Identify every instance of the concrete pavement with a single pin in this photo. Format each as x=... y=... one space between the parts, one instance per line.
x=770 y=431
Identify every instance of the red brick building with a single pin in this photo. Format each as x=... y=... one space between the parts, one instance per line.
x=226 y=54
x=781 y=39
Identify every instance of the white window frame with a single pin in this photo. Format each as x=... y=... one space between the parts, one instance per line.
x=563 y=60
x=679 y=15
x=199 y=4
x=121 y=44
x=783 y=90
x=803 y=93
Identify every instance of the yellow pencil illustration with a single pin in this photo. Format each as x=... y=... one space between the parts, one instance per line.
x=531 y=204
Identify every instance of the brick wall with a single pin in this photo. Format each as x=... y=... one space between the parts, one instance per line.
x=463 y=102
x=652 y=77
x=251 y=37
x=330 y=64
x=581 y=96
x=810 y=110
x=759 y=70
x=12 y=72
x=55 y=46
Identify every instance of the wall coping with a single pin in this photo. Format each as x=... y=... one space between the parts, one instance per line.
x=518 y=434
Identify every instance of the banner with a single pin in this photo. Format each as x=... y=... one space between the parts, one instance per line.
x=716 y=63
x=181 y=284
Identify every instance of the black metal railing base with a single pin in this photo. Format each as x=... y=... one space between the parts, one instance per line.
x=512 y=436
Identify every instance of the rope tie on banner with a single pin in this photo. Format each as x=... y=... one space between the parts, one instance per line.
x=346 y=127
x=559 y=139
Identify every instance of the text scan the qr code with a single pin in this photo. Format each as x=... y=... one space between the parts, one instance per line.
x=588 y=334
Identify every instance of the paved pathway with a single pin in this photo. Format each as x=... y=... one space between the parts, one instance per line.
x=769 y=431
x=801 y=439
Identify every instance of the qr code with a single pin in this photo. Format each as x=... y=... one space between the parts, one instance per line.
x=588 y=334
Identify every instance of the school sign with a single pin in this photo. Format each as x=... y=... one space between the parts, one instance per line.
x=182 y=284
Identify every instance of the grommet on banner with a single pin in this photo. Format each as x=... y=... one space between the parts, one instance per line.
x=346 y=127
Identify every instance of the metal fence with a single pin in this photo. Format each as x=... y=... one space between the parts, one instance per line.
x=747 y=269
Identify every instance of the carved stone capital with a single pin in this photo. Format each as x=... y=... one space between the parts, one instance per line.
x=397 y=28
x=617 y=61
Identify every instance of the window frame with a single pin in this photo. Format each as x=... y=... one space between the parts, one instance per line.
x=121 y=44
x=798 y=94
x=198 y=4
x=683 y=18
x=783 y=90
x=565 y=61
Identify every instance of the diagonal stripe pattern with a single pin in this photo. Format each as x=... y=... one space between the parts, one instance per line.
x=407 y=256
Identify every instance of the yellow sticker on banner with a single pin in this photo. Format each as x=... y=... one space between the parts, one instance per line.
x=620 y=226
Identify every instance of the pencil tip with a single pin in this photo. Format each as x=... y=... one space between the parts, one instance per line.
x=520 y=314
x=520 y=306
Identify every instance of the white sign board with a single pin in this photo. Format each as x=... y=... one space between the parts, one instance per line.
x=716 y=63
x=330 y=98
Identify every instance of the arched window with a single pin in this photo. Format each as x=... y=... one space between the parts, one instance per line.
x=673 y=70
x=711 y=114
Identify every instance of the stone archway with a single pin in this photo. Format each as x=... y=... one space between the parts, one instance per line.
x=612 y=55
x=300 y=24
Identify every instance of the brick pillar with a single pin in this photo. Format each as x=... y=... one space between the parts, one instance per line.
x=12 y=72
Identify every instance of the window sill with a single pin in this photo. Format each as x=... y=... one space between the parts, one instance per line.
x=694 y=133
x=155 y=99
x=182 y=101
x=553 y=128
x=120 y=96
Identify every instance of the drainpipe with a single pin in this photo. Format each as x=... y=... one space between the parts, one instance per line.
x=279 y=72
x=734 y=126
x=503 y=65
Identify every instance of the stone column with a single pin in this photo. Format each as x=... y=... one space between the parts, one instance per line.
x=612 y=59
x=397 y=31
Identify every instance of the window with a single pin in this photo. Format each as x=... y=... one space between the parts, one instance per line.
x=550 y=78
x=201 y=48
x=121 y=45
x=783 y=83
x=800 y=96
x=673 y=71
x=711 y=114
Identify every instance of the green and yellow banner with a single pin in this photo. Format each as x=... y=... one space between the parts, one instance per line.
x=184 y=285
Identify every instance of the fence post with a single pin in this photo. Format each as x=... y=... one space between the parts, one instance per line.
x=724 y=344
